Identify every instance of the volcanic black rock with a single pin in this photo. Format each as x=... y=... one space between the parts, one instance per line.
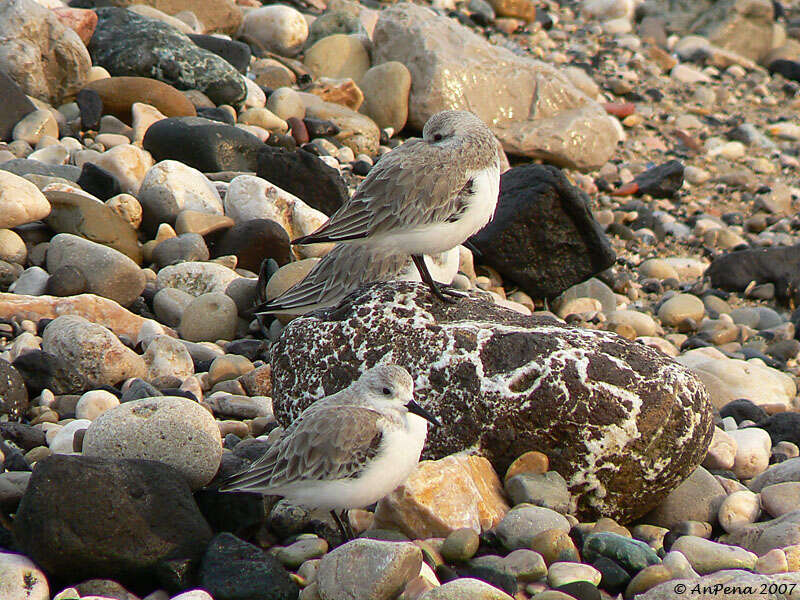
x=543 y=236
x=622 y=423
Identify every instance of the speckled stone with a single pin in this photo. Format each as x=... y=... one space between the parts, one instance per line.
x=533 y=345
x=128 y=44
x=172 y=430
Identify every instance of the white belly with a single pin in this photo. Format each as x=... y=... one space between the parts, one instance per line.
x=387 y=471
x=441 y=237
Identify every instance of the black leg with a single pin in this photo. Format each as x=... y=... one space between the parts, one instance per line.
x=346 y=522
x=419 y=262
x=345 y=537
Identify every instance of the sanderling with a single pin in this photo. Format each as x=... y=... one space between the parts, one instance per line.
x=347 y=450
x=349 y=266
x=424 y=197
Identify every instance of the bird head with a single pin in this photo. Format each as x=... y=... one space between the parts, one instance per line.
x=392 y=385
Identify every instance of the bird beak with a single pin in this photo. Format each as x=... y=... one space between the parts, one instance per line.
x=415 y=408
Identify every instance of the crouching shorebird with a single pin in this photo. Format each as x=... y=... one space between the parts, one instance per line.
x=345 y=451
x=344 y=269
x=424 y=197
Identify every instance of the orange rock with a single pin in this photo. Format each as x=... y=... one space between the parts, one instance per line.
x=444 y=495
x=530 y=462
x=81 y=21
x=519 y=9
x=344 y=92
x=629 y=189
x=620 y=109
x=120 y=93
x=93 y=308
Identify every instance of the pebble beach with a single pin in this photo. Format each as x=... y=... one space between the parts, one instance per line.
x=618 y=387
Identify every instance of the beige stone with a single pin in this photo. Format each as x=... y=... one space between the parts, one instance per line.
x=21 y=202
x=533 y=109
x=89 y=306
x=386 y=88
x=445 y=495
x=339 y=56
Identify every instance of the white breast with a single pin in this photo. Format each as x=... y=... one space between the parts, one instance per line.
x=441 y=237
x=398 y=457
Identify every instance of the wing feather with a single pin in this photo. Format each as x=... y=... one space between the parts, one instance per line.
x=330 y=443
x=413 y=185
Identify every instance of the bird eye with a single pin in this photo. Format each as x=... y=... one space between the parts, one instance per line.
x=437 y=137
x=386 y=391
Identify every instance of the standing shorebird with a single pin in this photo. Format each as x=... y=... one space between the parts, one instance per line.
x=424 y=197
x=347 y=450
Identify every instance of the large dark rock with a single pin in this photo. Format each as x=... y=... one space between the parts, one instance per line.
x=543 y=236
x=782 y=427
x=13 y=394
x=126 y=43
x=780 y=266
x=206 y=145
x=234 y=52
x=304 y=175
x=98 y=182
x=622 y=423
x=42 y=370
x=661 y=181
x=84 y=518
x=254 y=241
x=15 y=105
x=235 y=570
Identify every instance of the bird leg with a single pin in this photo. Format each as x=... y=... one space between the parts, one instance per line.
x=444 y=294
x=346 y=531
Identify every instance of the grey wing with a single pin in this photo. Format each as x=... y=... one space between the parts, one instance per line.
x=337 y=274
x=415 y=184
x=330 y=443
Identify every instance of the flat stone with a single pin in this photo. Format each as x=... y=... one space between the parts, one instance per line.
x=760 y=538
x=696 y=499
x=97 y=222
x=465 y=587
x=631 y=555
x=781 y=498
x=368 y=569
x=108 y=273
x=119 y=94
x=205 y=145
x=706 y=556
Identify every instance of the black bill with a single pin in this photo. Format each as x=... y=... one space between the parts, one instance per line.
x=415 y=408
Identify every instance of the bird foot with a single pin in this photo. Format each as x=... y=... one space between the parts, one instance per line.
x=448 y=295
